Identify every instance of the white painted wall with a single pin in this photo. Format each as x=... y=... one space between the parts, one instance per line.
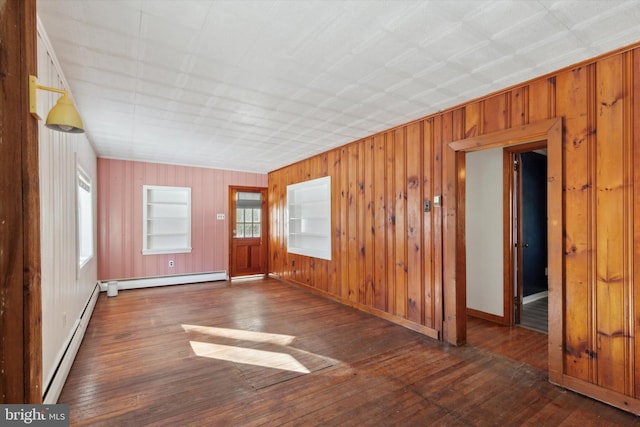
x=66 y=290
x=484 y=231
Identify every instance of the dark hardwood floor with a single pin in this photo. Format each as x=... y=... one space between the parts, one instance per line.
x=261 y=352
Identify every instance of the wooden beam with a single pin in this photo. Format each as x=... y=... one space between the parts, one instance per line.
x=20 y=298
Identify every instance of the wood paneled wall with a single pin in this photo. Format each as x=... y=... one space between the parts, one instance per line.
x=120 y=218
x=389 y=256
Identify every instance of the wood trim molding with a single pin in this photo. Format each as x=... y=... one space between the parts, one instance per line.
x=509 y=239
x=532 y=132
x=425 y=330
x=597 y=392
x=502 y=320
x=551 y=131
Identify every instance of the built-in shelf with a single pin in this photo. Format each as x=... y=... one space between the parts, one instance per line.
x=309 y=218
x=166 y=220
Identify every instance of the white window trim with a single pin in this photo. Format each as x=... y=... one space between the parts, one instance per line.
x=83 y=177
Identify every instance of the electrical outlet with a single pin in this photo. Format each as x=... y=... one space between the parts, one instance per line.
x=171 y=264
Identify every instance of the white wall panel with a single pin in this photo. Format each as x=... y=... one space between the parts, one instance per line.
x=65 y=289
x=485 y=264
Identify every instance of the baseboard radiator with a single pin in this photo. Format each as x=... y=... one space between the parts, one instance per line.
x=53 y=389
x=183 y=279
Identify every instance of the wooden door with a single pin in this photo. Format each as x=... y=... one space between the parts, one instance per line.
x=247 y=231
x=525 y=225
x=534 y=222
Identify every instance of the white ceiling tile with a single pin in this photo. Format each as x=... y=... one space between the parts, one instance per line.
x=155 y=31
x=382 y=78
x=186 y=13
x=258 y=84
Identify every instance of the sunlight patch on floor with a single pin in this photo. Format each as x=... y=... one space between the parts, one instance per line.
x=268 y=359
x=238 y=334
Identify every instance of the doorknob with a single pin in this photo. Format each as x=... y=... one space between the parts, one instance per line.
x=526 y=245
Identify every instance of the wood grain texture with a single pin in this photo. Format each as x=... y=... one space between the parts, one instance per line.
x=574 y=106
x=400 y=222
x=12 y=346
x=611 y=277
x=597 y=313
x=138 y=366
x=636 y=214
x=20 y=289
x=415 y=273
x=31 y=211
x=380 y=224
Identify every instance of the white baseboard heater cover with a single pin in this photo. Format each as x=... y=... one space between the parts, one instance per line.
x=183 y=279
x=53 y=387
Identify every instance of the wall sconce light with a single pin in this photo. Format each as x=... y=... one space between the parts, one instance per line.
x=63 y=117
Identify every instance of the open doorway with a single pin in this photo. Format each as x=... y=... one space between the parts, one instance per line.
x=506 y=235
x=455 y=242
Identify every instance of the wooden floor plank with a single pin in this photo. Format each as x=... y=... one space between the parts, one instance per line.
x=138 y=366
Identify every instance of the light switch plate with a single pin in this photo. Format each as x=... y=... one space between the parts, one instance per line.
x=219 y=216
x=436 y=201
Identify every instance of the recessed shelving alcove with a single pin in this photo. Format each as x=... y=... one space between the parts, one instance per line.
x=309 y=218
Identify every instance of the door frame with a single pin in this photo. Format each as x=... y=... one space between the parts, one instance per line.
x=454 y=274
x=264 y=224
x=512 y=231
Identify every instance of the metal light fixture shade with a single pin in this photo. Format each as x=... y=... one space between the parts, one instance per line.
x=63 y=117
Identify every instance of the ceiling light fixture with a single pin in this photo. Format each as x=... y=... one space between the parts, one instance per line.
x=63 y=117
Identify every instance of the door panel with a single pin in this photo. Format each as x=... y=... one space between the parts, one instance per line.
x=534 y=222
x=248 y=231
x=525 y=237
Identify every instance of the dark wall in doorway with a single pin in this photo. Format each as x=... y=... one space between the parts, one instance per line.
x=534 y=222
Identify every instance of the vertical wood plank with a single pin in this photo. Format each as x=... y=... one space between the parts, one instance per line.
x=333 y=170
x=415 y=280
x=495 y=113
x=400 y=196
x=352 y=218
x=572 y=87
x=628 y=214
x=474 y=122
x=362 y=213
x=380 y=217
x=519 y=106
x=539 y=100
x=20 y=261
x=368 y=229
x=611 y=226
x=427 y=224
x=344 y=221
x=391 y=220
x=635 y=291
